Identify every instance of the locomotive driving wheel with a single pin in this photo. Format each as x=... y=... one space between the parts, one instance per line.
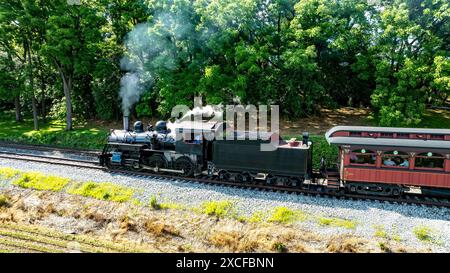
x=271 y=180
x=156 y=162
x=244 y=177
x=224 y=175
x=185 y=165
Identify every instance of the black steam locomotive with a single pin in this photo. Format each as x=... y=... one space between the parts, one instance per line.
x=192 y=148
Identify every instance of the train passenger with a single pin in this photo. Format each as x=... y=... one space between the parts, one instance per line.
x=405 y=163
x=389 y=162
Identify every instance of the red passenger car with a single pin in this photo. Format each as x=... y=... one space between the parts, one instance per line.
x=391 y=161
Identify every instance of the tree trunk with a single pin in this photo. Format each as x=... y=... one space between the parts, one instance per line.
x=35 y=112
x=67 y=83
x=33 y=98
x=44 y=115
x=17 y=108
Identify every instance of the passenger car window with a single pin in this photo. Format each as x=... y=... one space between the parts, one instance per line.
x=429 y=160
x=363 y=156
x=395 y=159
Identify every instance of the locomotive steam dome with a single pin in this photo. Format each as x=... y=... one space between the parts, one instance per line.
x=138 y=127
x=161 y=126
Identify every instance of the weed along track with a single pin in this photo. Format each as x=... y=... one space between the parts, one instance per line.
x=407 y=199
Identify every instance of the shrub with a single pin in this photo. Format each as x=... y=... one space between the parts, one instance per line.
x=39 y=181
x=103 y=191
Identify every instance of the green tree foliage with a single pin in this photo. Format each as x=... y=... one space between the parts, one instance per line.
x=390 y=55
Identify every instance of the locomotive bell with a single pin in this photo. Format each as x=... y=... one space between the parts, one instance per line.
x=138 y=127
x=161 y=126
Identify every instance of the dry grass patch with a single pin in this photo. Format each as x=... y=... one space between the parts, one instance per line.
x=159 y=228
x=347 y=244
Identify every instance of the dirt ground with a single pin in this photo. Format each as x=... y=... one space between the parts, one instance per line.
x=327 y=119
x=37 y=221
x=319 y=124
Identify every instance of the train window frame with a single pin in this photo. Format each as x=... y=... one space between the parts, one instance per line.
x=386 y=135
x=363 y=152
x=437 y=137
x=355 y=134
x=403 y=135
x=400 y=154
x=434 y=155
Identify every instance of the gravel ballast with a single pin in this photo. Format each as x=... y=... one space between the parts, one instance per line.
x=396 y=219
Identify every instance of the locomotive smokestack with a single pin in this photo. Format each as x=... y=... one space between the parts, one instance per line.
x=126 y=126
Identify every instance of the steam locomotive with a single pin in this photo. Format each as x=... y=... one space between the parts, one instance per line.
x=371 y=160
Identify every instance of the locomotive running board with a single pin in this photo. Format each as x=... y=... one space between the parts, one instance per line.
x=157 y=170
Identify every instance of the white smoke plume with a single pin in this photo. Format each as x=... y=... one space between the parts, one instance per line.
x=149 y=47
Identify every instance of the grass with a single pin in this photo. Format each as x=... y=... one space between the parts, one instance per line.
x=423 y=233
x=279 y=247
x=435 y=118
x=8 y=173
x=337 y=222
x=256 y=217
x=285 y=215
x=3 y=200
x=103 y=191
x=154 y=203
x=217 y=208
x=380 y=232
x=84 y=136
x=39 y=181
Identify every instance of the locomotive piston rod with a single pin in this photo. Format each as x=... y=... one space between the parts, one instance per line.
x=157 y=169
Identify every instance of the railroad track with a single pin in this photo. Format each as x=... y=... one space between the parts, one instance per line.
x=407 y=199
x=44 y=148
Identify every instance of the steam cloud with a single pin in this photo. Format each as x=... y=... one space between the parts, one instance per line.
x=149 y=47
x=152 y=47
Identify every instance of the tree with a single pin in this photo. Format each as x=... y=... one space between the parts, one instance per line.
x=72 y=36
